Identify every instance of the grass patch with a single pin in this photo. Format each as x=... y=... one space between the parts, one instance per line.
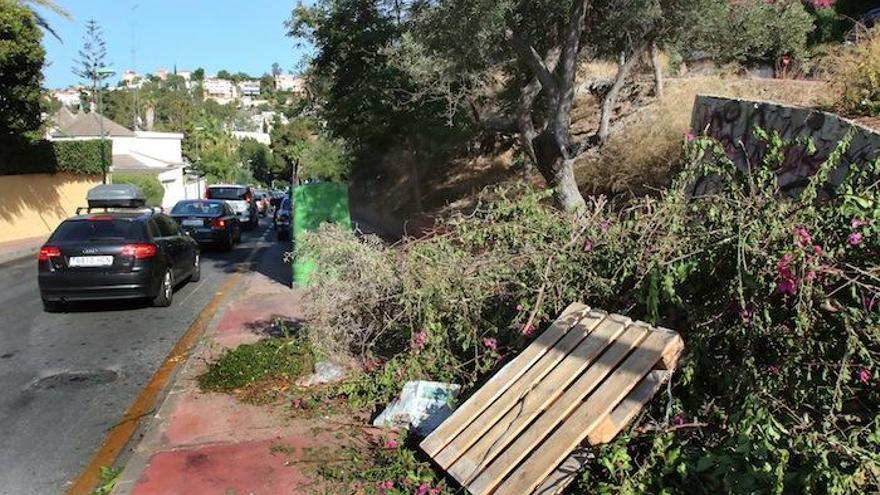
x=272 y=359
x=109 y=477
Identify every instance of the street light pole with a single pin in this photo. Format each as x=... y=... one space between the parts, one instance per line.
x=102 y=73
x=101 y=126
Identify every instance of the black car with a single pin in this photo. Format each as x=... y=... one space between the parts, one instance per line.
x=116 y=255
x=208 y=221
x=283 y=219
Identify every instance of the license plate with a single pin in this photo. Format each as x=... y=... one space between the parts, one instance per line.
x=193 y=222
x=90 y=261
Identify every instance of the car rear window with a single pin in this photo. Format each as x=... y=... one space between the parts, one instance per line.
x=228 y=193
x=197 y=208
x=98 y=230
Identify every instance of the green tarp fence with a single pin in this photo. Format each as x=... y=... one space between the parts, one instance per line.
x=314 y=204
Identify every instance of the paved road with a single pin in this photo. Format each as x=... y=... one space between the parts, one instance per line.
x=66 y=378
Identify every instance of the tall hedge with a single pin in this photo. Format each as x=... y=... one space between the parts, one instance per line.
x=148 y=183
x=49 y=157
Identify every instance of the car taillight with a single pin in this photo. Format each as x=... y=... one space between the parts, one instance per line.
x=139 y=251
x=218 y=223
x=47 y=252
x=101 y=219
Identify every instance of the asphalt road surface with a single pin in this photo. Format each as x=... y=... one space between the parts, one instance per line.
x=66 y=378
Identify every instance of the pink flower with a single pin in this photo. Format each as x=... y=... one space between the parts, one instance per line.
x=811 y=276
x=499 y=358
x=588 y=246
x=391 y=444
x=855 y=239
x=864 y=376
x=856 y=223
x=425 y=489
x=419 y=340
x=803 y=237
x=678 y=419
x=385 y=485
x=822 y=4
x=528 y=330
x=817 y=250
x=786 y=281
x=745 y=313
x=786 y=287
x=519 y=307
x=690 y=137
x=490 y=343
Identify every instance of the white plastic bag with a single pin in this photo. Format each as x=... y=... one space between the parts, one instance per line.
x=421 y=407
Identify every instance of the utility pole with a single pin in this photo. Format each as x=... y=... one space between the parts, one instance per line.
x=103 y=73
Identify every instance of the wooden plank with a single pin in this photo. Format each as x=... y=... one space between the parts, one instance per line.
x=629 y=407
x=533 y=401
x=586 y=416
x=565 y=473
x=496 y=471
x=515 y=393
x=498 y=384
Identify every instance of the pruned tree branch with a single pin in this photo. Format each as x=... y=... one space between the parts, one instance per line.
x=526 y=103
x=623 y=70
x=529 y=56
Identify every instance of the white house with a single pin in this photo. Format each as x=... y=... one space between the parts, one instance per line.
x=221 y=90
x=290 y=82
x=249 y=88
x=69 y=97
x=135 y=152
x=131 y=79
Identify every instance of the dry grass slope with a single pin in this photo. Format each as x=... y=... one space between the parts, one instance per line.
x=645 y=143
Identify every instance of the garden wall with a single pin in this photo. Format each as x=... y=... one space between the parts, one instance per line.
x=732 y=122
x=33 y=205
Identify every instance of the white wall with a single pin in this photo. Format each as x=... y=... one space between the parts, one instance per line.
x=179 y=187
x=260 y=137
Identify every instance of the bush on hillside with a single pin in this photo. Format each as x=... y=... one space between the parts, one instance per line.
x=750 y=32
x=149 y=184
x=778 y=301
x=855 y=78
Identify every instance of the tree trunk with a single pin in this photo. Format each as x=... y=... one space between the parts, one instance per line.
x=624 y=67
x=414 y=176
x=558 y=170
x=150 y=118
x=658 y=70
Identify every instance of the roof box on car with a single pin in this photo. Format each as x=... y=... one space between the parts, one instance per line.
x=116 y=196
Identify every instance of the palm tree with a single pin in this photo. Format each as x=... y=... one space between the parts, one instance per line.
x=40 y=19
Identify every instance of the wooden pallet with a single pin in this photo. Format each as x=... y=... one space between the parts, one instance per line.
x=584 y=378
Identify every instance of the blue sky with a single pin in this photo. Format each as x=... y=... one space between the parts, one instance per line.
x=236 y=35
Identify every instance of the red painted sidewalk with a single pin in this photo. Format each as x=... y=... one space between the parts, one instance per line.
x=207 y=443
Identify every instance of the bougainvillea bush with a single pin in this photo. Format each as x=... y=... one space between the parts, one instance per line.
x=777 y=299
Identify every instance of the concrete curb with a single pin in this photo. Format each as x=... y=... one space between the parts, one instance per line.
x=20 y=252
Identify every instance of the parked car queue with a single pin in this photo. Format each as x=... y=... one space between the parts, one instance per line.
x=120 y=249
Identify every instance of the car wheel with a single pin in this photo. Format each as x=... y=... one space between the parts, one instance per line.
x=197 y=268
x=53 y=306
x=166 y=290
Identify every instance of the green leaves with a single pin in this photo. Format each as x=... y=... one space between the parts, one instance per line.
x=74 y=157
x=21 y=72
